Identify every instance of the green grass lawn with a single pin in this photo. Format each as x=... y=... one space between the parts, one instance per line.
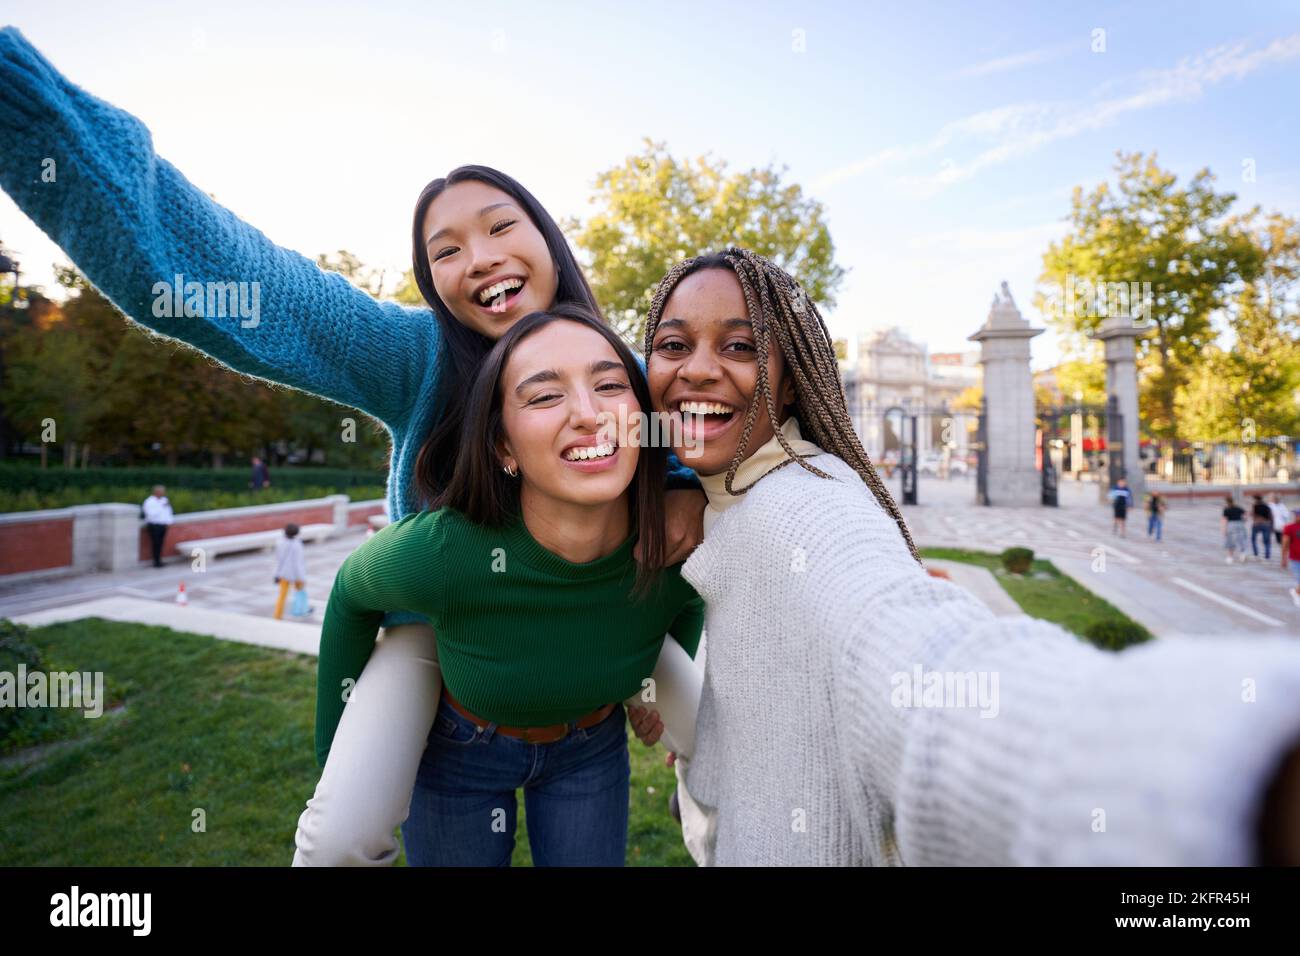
x=1043 y=593
x=196 y=723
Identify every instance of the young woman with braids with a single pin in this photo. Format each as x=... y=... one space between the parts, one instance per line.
x=821 y=738
x=485 y=253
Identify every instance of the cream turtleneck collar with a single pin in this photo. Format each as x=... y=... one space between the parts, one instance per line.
x=767 y=457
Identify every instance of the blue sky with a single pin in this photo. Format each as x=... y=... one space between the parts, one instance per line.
x=943 y=138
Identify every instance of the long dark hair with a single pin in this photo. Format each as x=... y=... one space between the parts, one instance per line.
x=480 y=489
x=463 y=347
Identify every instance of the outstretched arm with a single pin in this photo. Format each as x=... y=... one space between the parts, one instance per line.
x=87 y=174
x=400 y=568
x=1010 y=741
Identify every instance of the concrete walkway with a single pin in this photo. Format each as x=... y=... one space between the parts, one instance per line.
x=227 y=625
x=232 y=599
x=1180 y=586
x=979 y=582
x=240 y=583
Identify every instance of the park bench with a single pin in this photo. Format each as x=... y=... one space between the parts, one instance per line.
x=253 y=540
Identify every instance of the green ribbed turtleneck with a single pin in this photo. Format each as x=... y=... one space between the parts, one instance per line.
x=525 y=637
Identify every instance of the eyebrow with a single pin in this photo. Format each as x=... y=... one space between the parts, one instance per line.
x=551 y=375
x=726 y=323
x=446 y=229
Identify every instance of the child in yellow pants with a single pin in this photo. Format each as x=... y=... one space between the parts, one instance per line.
x=290 y=565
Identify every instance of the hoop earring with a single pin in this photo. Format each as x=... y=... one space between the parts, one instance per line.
x=510 y=471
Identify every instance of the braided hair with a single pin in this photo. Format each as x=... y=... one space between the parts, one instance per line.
x=778 y=305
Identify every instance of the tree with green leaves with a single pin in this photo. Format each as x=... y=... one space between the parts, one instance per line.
x=1182 y=240
x=1246 y=392
x=117 y=388
x=366 y=278
x=52 y=377
x=653 y=210
x=1249 y=389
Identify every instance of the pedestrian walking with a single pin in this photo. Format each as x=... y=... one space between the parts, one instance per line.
x=1281 y=516
x=1291 y=557
x=1261 y=526
x=1121 y=498
x=157 y=514
x=261 y=476
x=1234 y=530
x=290 y=566
x=1155 y=515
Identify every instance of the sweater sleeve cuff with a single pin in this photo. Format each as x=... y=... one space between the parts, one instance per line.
x=1157 y=756
x=394 y=618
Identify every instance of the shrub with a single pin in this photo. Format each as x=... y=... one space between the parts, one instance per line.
x=1115 y=635
x=22 y=726
x=1017 y=560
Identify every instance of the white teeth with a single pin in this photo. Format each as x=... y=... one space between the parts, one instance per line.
x=492 y=291
x=705 y=408
x=587 y=452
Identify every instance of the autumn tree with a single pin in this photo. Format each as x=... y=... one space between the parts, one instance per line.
x=653 y=210
x=1247 y=388
x=1182 y=240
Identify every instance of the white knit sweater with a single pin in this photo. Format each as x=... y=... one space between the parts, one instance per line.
x=818 y=620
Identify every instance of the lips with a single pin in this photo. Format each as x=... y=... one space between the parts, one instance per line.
x=598 y=462
x=500 y=294
x=705 y=418
x=589 y=452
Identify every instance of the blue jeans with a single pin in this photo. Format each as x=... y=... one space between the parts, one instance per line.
x=464 y=809
x=1154 y=526
x=1266 y=532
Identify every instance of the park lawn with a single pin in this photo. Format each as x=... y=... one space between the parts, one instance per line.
x=1056 y=598
x=194 y=722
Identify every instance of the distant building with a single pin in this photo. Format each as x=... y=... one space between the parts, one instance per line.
x=890 y=369
x=1046 y=381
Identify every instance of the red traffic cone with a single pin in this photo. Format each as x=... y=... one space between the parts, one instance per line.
x=181 y=597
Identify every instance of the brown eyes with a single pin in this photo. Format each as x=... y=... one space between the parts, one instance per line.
x=497 y=227
x=609 y=387
x=677 y=346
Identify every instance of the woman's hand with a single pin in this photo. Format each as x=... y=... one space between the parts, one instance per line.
x=683 y=524
x=646 y=724
x=1279 y=819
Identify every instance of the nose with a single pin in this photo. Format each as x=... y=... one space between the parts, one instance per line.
x=700 y=367
x=582 y=411
x=483 y=258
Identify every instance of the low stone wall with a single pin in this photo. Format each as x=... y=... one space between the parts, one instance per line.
x=40 y=540
x=1200 y=493
x=112 y=537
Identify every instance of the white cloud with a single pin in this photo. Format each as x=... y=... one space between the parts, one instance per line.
x=1015 y=61
x=1022 y=128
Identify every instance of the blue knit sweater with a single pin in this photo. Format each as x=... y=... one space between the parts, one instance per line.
x=128 y=219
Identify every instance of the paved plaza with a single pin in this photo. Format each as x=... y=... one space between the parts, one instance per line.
x=233 y=598
x=1180 y=586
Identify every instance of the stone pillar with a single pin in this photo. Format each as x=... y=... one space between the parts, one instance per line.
x=1009 y=393
x=339 y=504
x=1120 y=335
x=106 y=537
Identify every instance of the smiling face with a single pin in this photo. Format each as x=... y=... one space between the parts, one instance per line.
x=704 y=363
x=490 y=264
x=557 y=388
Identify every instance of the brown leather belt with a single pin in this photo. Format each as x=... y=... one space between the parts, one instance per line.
x=548 y=734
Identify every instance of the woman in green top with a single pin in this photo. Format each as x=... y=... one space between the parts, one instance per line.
x=545 y=621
